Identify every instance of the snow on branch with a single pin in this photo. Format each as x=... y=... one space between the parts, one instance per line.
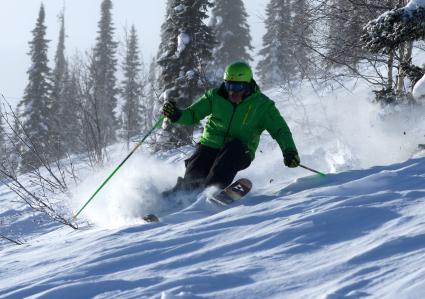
x=183 y=40
x=395 y=27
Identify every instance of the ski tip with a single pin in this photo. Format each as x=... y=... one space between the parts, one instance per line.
x=246 y=183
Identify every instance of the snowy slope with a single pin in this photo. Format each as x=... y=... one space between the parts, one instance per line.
x=359 y=232
x=353 y=234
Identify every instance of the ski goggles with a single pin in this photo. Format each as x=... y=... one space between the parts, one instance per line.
x=236 y=86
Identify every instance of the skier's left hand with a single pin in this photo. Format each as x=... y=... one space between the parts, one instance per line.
x=291 y=158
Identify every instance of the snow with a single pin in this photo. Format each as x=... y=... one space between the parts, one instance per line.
x=419 y=89
x=180 y=8
x=414 y=5
x=358 y=232
x=353 y=234
x=216 y=21
x=191 y=74
x=182 y=41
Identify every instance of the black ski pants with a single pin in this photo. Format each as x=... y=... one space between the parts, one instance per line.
x=216 y=167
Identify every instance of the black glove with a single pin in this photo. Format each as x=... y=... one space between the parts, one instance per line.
x=291 y=158
x=171 y=111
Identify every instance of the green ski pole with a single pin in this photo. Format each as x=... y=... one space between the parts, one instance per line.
x=312 y=170
x=157 y=125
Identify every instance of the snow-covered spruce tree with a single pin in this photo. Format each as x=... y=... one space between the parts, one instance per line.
x=36 y=103
x=59 y=76
x=133 y=112
x=185 y=49
x=277 y=65
x=394 y=27
x=151 y=93
x=103 y=66
x=345 y=24
x=231 y=28
x=393 y=34
x=70 y=112
x=302 y=35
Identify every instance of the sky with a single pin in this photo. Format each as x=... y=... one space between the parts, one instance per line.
x=18 y=18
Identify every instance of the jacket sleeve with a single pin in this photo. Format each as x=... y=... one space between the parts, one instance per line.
x=278 y=129
x=197 y=111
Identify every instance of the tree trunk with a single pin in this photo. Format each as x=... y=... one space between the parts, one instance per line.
x=390 y=65
x=401 y=75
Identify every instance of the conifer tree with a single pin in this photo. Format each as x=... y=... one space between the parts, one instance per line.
x=103 y=66
x=345 y=28
x=35 y=106
x=185 y=49
x=132 y=88
x=229 y=20
x=301 y=37
x=277 y=64
x=151 y=93
x=70 y=112
x=59 y=75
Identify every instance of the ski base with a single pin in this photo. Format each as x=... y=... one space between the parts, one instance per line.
x=233 y=192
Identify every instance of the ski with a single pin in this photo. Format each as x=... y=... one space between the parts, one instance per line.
x=231 y=193
x=228 y=195
x=151 y=218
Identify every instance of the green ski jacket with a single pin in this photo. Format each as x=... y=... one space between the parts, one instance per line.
x=244 y=121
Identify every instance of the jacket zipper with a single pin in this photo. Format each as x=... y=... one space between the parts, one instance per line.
x=246 y=114
x=230 y=122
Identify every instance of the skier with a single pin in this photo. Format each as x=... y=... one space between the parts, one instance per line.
x=238 y=114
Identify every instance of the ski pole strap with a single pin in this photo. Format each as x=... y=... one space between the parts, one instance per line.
x=312 y=170
x=157 y=125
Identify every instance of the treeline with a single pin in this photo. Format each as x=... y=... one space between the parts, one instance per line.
x=71 y=106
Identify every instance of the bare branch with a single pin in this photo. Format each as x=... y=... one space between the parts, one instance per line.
x=16 y=242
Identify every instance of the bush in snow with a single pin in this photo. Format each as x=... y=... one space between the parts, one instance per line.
x=38 y=185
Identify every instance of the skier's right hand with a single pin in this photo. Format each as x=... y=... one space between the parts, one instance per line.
x=171 y=111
